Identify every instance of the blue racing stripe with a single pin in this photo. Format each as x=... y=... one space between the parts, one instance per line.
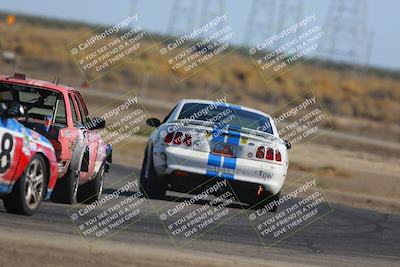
x=233 y=140
x=214 y=160
x=212 y=173
x=229 y=163
x=228 y=176
x=227 y=105
x=11 y=124
x=218 y=136
x=222 y=104
x=234 y=106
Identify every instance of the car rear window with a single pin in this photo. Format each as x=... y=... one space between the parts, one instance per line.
x=39 y=103
x=222 y=115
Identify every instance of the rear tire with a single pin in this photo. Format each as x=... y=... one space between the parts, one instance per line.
x=153 y=186
x=28 y=192
x=91 y=191
x=66 y=188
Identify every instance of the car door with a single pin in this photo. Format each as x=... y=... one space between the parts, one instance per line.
x=11 y=150
x=91 y=138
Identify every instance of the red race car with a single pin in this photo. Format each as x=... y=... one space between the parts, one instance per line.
x=59 y=113
x=28 y=165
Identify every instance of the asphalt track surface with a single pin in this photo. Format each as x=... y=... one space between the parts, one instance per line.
x=345 y=237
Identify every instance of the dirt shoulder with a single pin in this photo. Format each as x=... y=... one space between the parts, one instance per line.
x=30 y=249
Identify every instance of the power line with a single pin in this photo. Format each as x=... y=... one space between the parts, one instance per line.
x=261 y=23
x=347 y=38
x=210 y=10
x=182 y=17
x=290 y=12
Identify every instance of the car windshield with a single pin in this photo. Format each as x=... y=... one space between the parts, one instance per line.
x=223 y=116
x=39 y=104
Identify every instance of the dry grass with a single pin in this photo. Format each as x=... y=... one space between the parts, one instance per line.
x=371 y=96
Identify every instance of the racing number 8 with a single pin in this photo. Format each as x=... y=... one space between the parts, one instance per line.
x=6 y=148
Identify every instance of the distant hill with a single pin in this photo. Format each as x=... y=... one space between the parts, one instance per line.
x=42 y=42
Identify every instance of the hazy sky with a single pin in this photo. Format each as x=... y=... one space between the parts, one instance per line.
x=155 y=14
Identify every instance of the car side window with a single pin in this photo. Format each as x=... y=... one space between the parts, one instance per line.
x=73 y=110
x=169 y=115
x=61 y=116
x=81 y=109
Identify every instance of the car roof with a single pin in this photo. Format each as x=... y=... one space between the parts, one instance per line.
x=38 y=83
x=209 y=102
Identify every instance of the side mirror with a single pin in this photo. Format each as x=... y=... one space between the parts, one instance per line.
x=153 y=122
x=288 y=145
x=95 y=123
x=12 y=110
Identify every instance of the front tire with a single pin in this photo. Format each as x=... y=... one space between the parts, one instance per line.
x=91 y=191
x=66 y=188
x=152 y=186
x=28 y=192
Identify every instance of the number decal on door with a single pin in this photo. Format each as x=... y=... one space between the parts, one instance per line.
x=7 y=143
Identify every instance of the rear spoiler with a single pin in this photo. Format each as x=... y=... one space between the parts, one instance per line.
x=268 y=136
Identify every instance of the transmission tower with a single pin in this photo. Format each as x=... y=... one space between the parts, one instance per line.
x=347 y=39
x=261 y=23
x=182 y=17
x=133 y=7
x=290 y=12
x=210 y=10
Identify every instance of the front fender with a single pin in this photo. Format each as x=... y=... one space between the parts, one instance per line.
x=78 y=157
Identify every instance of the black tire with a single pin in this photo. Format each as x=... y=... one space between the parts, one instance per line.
x=66 y=188
x=28 y=192
x=154 y=186
x=264 y=200
x=91 y=191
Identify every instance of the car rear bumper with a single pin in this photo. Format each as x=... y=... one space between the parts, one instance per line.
x=170 y=159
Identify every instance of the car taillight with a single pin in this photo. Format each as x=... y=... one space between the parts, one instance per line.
x=188 y=140
x=278 y=156
x=178 y=138
x=260 y=152
x=169 y=137
x=270 y=154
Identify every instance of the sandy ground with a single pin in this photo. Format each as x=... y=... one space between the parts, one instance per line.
x=29 y=249
x=26 y=248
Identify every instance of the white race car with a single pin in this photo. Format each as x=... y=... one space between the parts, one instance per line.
x=201 y=139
